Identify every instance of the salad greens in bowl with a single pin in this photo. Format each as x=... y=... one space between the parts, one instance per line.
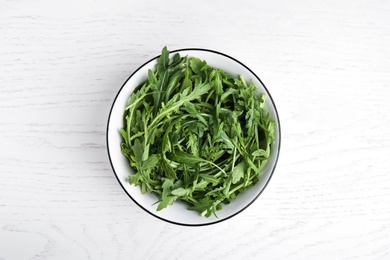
x=193 y=136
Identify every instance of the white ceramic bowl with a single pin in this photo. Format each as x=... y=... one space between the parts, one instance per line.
x=178 y=213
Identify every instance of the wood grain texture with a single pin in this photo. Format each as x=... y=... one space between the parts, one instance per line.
x=326 y=65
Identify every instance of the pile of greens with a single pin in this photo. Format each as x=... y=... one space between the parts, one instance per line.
x=195 y=134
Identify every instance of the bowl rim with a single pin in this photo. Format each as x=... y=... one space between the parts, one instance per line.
x=277 y=150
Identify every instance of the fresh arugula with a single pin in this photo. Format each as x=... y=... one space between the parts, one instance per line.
x=195 y=134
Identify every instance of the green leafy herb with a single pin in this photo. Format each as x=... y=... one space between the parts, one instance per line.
x=195 y=134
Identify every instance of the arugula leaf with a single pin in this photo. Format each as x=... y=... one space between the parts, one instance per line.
x=217 y=82
x=195 y=134
x=163 y=60
x=238 y=172
x=138 y=151
x=180 y=192
x=206 y=206
x=166 y=202
x=209 y=178
x=151 y=162
x=166 y=187
x=197 y=65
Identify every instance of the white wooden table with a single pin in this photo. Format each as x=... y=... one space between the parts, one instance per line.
x=326 y=64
